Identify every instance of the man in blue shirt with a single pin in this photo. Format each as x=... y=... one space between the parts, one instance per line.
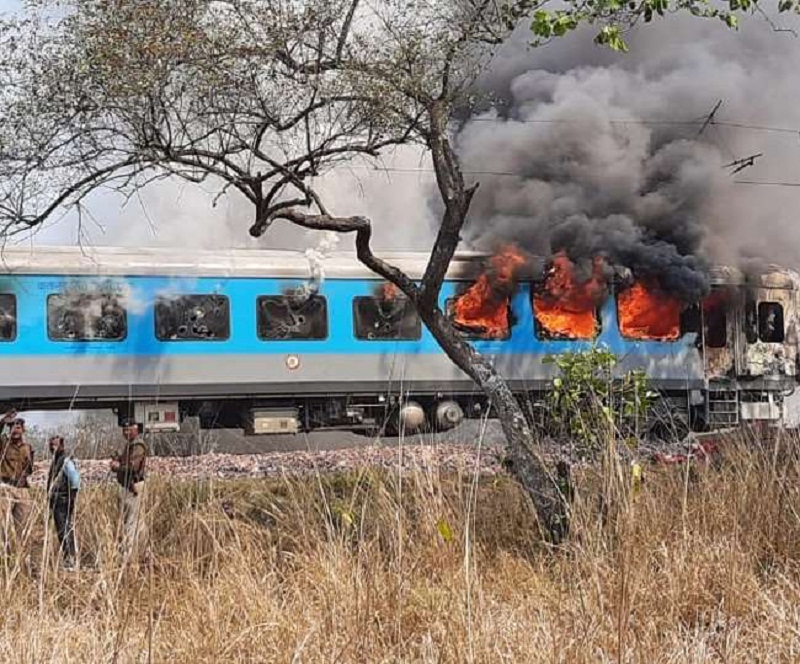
x=63 y=483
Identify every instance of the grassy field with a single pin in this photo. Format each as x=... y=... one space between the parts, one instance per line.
x=697 y=566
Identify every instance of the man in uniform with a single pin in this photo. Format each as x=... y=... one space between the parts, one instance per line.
x=129 y=467
x=16 y=466
x=63 y=483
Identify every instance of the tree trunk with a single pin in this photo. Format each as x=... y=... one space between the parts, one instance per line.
x=547 y=490
x=523 y=461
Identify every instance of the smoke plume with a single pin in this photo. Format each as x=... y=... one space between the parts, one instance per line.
x=591 y=153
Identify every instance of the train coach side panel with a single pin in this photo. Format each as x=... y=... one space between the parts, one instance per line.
x=36 y=366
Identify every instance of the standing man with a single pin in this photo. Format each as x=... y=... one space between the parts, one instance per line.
x=63 y=483
x=16 y=466
x=129 y=467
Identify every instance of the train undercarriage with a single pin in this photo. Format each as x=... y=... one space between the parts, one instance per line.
x=722 y=405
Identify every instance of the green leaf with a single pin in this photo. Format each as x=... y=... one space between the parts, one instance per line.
x=541 y=25
x=444 y=530
x=731 y=21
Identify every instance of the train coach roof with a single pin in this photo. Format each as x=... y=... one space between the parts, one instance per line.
x=145 y=261
x=768 y=276
x=228 y=262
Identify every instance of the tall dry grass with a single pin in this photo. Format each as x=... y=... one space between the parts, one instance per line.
x=700 y=566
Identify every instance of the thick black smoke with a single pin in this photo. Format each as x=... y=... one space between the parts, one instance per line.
x=609 y=159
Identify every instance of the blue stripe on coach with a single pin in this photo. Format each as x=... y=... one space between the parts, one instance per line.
x=32 y=339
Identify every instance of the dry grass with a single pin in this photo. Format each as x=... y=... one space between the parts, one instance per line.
x=700 y=566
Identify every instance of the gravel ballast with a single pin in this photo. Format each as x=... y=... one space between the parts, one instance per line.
x=443 y=457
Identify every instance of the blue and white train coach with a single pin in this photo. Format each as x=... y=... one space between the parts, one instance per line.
x=170 y=335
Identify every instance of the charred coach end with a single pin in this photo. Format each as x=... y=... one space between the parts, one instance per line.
x=250 y=340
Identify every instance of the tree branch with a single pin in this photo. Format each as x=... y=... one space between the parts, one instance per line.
x=94 y=179
x=359 y=225
x=457 y=199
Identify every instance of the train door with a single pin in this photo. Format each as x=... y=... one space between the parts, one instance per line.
x=719 y=342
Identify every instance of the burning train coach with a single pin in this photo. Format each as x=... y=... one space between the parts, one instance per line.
x=247 y=339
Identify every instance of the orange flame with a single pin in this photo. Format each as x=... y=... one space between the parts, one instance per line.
x=567 y=307
x=484 y=306
x=648 y=314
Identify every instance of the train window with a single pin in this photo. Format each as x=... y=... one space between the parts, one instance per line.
x=393 y=318
x=193 y=318
x=770 y=322
x=490 y=324
x=85 y=316
x=691 y=320
x=648 y=314
x=8 y=317
x=573 y=321
x=281 y=317
x=716 y=327
x=715 y=318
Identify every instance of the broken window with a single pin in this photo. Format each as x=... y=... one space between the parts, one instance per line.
x=715 y=334
x=716 y=327
x=392 y=317
x=495 y=324
x=770 y=322
x=715 y=317
x=763 y=322
x=85 y=316
x=565 y=318
x=292 y=317
x=8 y=317
x=646 y=312
x=691 y=320
x=193 y=318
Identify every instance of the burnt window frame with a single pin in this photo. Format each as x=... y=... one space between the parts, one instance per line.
x=374 y=298
x=259 y=298
x=15 y=328
x=536 y=327
x=779 y=305
x=701 y=327
x=477 y=337
x=159 y=299
x=697 y=328
x=92 y=340
x=651 y=340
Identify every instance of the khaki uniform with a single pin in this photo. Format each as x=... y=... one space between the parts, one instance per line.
x=16 y=465
x=132 y=497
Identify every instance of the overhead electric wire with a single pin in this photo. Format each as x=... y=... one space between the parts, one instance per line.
x=390 y=169
x=673 y=123
x=767 y=183
x=704 y=121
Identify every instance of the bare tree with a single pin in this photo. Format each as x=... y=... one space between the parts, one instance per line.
x=261 y=96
